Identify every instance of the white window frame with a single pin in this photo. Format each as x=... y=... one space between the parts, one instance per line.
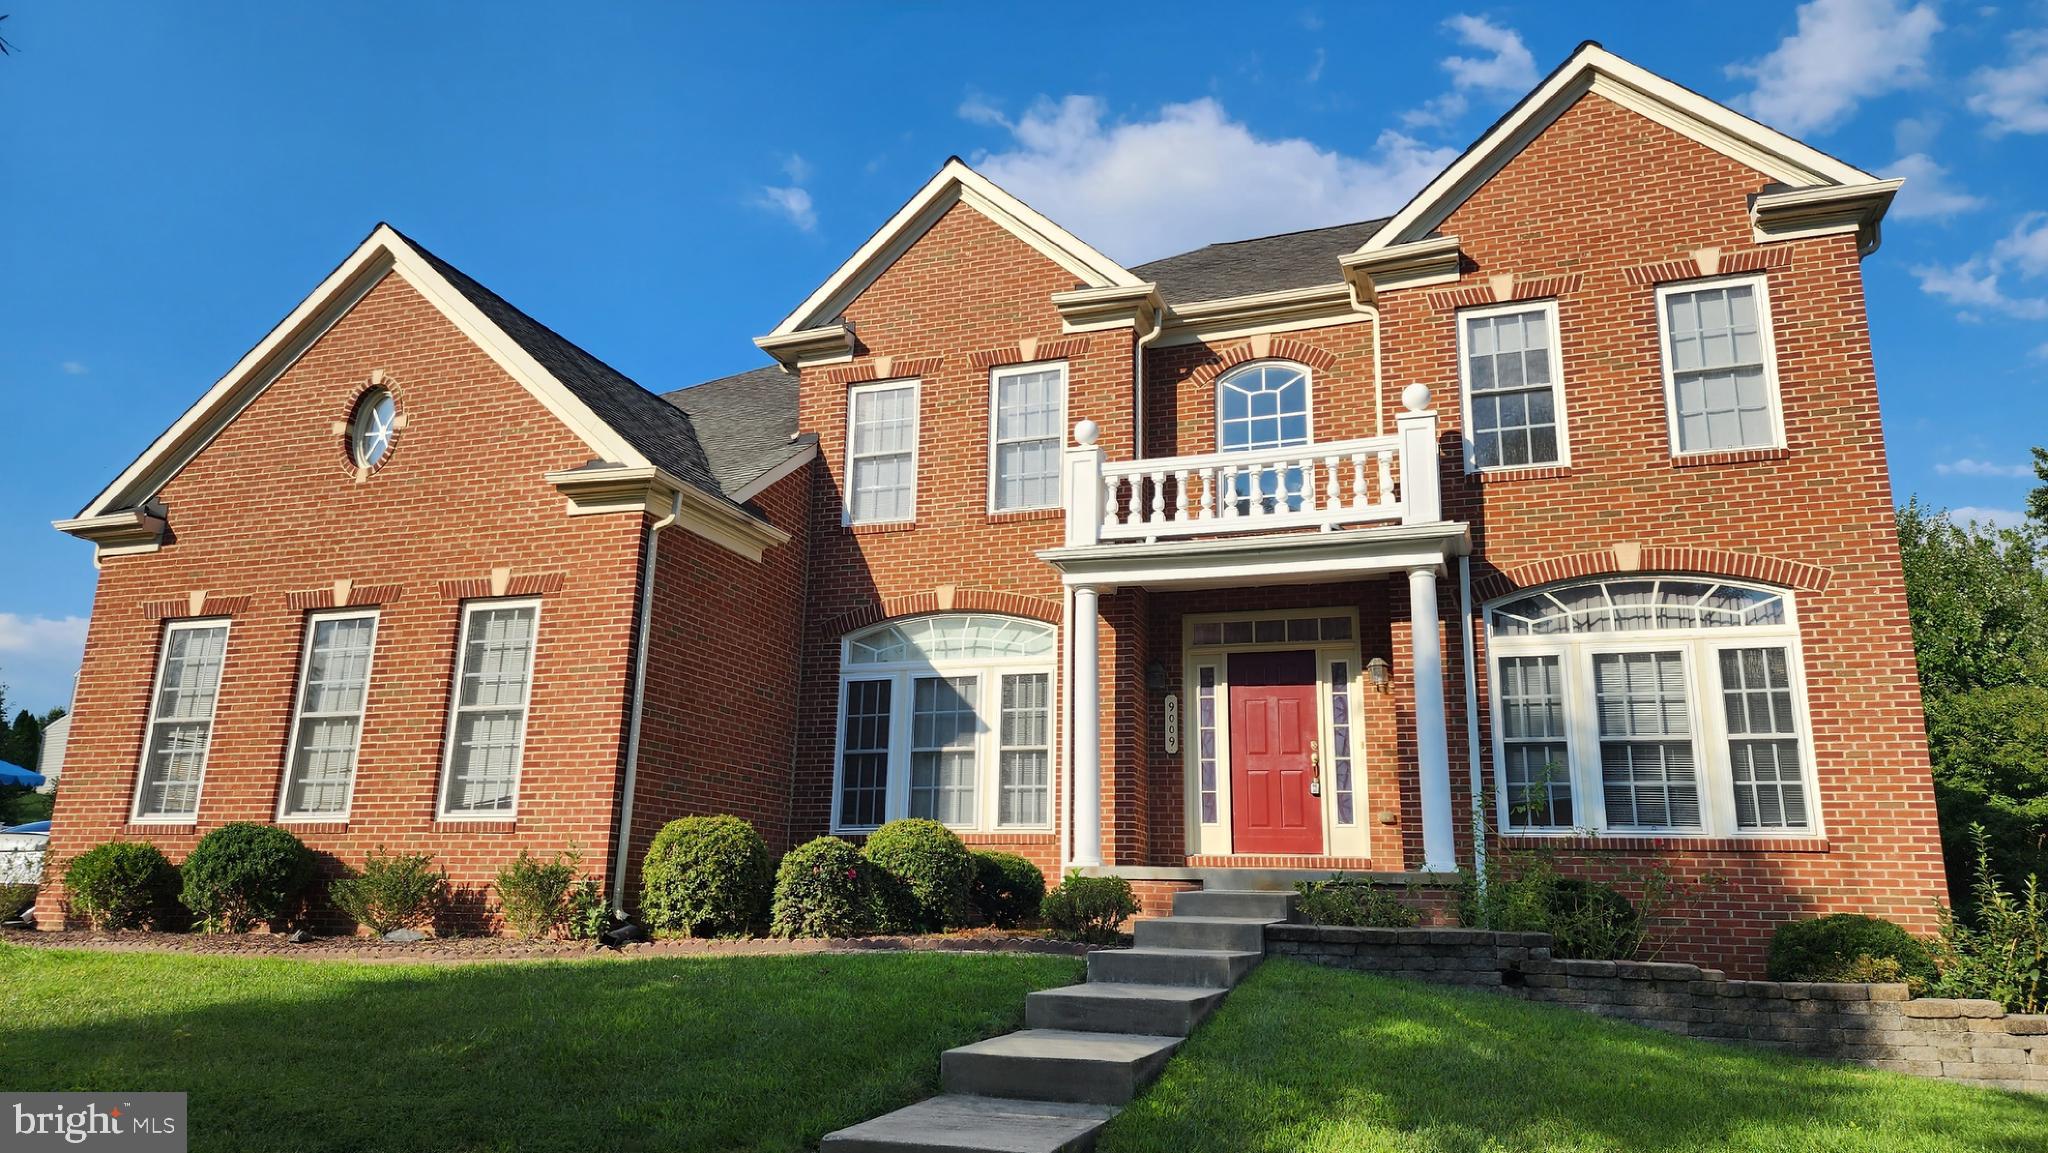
x=156 y=690
x=1766 y=340
x=995 y=377
x=291 y=752
x=1701 y=648
x=1308 y=384
x=1549 y=310
x=988 y=672
x=853 y=395
x=469 y=610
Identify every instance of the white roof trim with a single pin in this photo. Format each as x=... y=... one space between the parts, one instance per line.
x=1594 y=69
x=954 y=183
x=385 y=251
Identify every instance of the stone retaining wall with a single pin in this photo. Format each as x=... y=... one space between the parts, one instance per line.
x=1877 y=1025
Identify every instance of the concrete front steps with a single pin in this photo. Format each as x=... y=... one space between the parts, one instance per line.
x=1086 y=1050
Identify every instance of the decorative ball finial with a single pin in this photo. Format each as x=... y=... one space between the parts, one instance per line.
x=1085 y=433
x=1416 y=397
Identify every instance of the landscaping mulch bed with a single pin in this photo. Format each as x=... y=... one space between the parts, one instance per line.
x=459 y=950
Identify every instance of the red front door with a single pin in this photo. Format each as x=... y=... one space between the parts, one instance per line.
x=1272 y=754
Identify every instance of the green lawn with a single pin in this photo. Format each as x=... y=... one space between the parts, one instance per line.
x=762 y=1052
x=1302 y=1059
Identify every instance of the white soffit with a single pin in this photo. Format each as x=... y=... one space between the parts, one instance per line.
x=955 y=183
x=384 y=252
x=1596 y=70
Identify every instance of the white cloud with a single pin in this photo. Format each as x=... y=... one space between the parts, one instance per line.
x=796 y=168
x=39 y=659
x=1506 y=69
x=1928 y=192
x=2041 y=351
x=791 y=202
x=74 y=368
x=1976 y=282
x=1971 y=515
x=1970 y=467
x=1844 y=52
x=1315 y=70
x=1190 y=175
x=979 y=109
x=2015 y=98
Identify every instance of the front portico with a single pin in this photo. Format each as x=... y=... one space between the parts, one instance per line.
x=1263 y=583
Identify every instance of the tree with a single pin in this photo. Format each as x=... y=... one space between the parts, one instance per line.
x=2037 y=501
x=1979 y=604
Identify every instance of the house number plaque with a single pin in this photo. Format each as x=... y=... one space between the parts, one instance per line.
x=1172 y=722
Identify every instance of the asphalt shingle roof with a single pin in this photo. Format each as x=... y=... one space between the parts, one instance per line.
x=1261 y=264
x=746 y=423
x=661 y=432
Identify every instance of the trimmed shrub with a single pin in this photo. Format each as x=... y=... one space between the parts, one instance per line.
x=1847 y=947
x=1007 y=889
x=1091 y=909
x=825 y=888
x=242 y=875
x=1353 y=904
x=15 y=900
x=392 y=892
x=121 y=885
x=534 y=894
x=706 y=877
x=926 y=874
x=1592 y=921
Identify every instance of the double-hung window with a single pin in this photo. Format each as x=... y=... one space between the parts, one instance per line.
x=1028 y=407
x=327 y=730
x=1720 y=365
x=947 y=717
x=487 y=718
x=1513 y=390
x=180 y=730
x=1650 y=705
x=881 y=452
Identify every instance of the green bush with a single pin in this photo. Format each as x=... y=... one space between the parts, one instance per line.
x=1007 y=889
x=2003 y=956
x=825 y=888
x=1091 y=909
x=121 y=885
x=1846 y=947
x=589 y=916
x=391 y=892
x=706 y=877
x=534 y=894
x=1587 y=920
x=15 y=900
x=925 y=874
x=1354 y=904
x=242 y=875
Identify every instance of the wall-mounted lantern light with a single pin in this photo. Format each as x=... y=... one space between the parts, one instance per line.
x=1379 y=673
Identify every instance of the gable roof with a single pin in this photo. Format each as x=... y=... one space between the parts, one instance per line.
x=747 y=425
x=621 y=422
x=954 y=183
x=1591 y=68
x=1261 y=264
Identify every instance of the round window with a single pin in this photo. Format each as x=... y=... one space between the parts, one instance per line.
x=370 y=433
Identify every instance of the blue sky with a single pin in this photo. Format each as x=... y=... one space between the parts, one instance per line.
x=661 y=184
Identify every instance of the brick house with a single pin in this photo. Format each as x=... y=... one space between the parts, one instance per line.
x=1554 y=505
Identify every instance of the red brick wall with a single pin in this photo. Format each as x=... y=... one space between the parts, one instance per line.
x=1600 y=196
x=717 y=734
x=966 y=287
x=271 y=508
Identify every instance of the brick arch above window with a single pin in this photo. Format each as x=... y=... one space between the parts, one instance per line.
x=1264 y=348
x=945 y=599
x=1626 y=559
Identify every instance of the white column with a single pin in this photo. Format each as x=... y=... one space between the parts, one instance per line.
x=1087 y=729
x=1432 y=751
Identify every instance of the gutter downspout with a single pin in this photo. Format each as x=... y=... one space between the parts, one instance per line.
x=1479 y=821
x=625 y=837
x=1138 y=381
x=1379 y=393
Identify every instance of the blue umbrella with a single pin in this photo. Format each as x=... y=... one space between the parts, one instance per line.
x=16 y=775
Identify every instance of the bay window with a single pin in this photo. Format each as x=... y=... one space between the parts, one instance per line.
x=947 y=717
x=1650 y=705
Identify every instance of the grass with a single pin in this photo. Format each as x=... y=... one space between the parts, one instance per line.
x=762 y=1052
x=1303 y=1059
x=19 y=806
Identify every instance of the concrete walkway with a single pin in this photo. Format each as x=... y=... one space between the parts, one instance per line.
x=1086 y=1050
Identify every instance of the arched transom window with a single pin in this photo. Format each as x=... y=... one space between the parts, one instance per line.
x=949 y=717
x=1263 y=405
x=1658 y=704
